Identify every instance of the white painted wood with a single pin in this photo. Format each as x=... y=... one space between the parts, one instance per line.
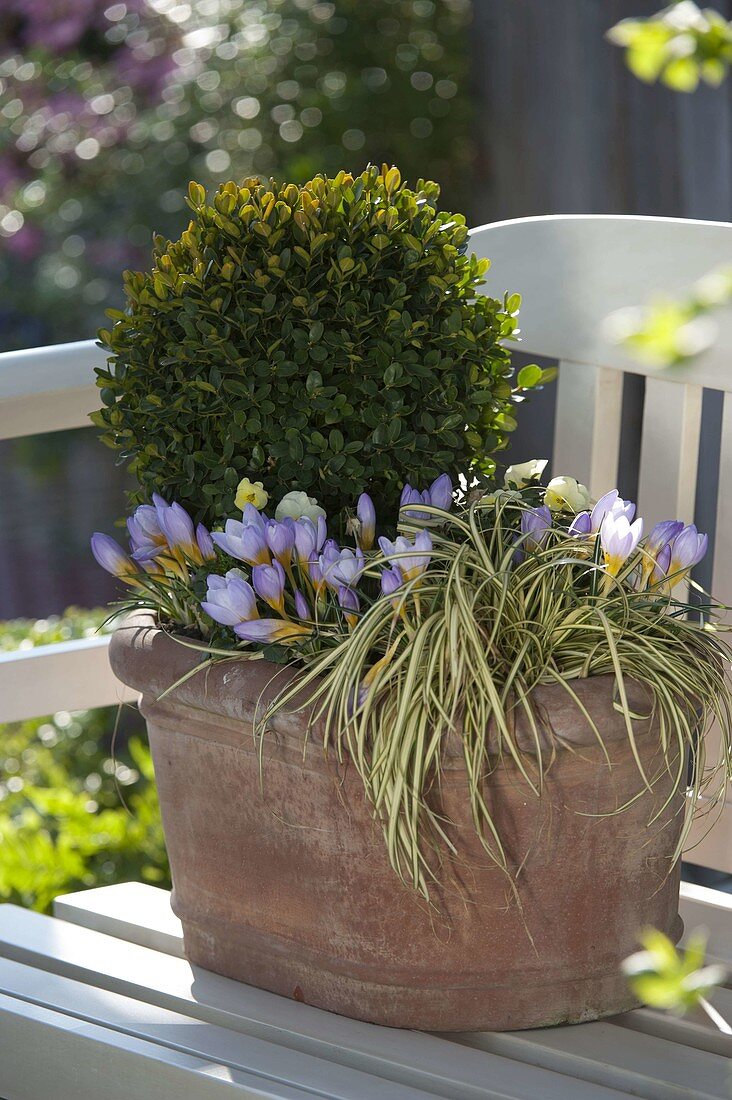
x=73 y=675
x=574 y=270
x=605 y=1054
x=710 y=838
x=587 y=426
x=701 y=907
x=631 y=1064
x=694 y=1030
x=115 y=911
x=433 y=1064
x=669 y=451
x=722 y=584
x=272 y=1063
x=46 y=1055
x=48 y=389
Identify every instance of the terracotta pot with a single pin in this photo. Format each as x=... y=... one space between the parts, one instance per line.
x=288 y=887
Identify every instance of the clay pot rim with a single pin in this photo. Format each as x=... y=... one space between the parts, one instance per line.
x=150 y=659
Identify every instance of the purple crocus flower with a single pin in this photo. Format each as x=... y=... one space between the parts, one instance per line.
x=659 y=567
x=110 y=555
x=687 y=550
x=662 y=534
x=230 y=599
x=391 y=580
x=610 y=503
x=179 y=531
x=244 y=541
x=349 y=601
x=309 y=538
x=535 y=524
x=581 y=525
x=280 y=538
x=439 y=495
x=341 y=567
x=366 y=514
x=302 y=607
x=205 y=543
x=252 y=517
x=654 y=551
x=316 y=575
x=412 y=558
x=271 y=630
x=145 y=531
x=269 y=584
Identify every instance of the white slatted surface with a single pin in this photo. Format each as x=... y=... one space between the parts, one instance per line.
x=106 y=1003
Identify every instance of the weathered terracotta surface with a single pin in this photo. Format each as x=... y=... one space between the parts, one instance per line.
x=289 y=888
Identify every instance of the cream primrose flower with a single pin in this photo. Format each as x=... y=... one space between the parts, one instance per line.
x=250 y=492
x=523 y=473
x=566 y=494
x=297 y=504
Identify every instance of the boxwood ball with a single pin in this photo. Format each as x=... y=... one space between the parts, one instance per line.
x=327 y=337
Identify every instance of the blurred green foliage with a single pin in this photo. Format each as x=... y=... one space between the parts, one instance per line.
x=671 y=332
x=679 y=46
x=108 y=110
x=671 y=978
x=75 y=811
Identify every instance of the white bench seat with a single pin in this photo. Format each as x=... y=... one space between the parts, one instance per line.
x=98 y=1002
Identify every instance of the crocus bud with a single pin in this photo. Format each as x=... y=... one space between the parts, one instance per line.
x=440 y=493
x=366 y=514
x=145 y=531
x=309 y=538
x=301 y=606
x=659 y=568
x=411 y=497
x=341 y=567
x=535 y=525
x=110 y=555
x=178 y=528
x=687 y=550
x=205 y=543
x=252 y=517
x=269 y=584
x=280 y=537
x=581 y=525
x=272 y=630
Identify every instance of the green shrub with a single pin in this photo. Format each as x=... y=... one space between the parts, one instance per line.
x=327 y=338
x=74 y=813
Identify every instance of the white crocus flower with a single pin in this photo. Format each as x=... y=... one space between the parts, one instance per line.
x=619 y=539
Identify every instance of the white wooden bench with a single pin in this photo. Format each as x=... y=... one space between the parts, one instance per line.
x=98 y=1002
